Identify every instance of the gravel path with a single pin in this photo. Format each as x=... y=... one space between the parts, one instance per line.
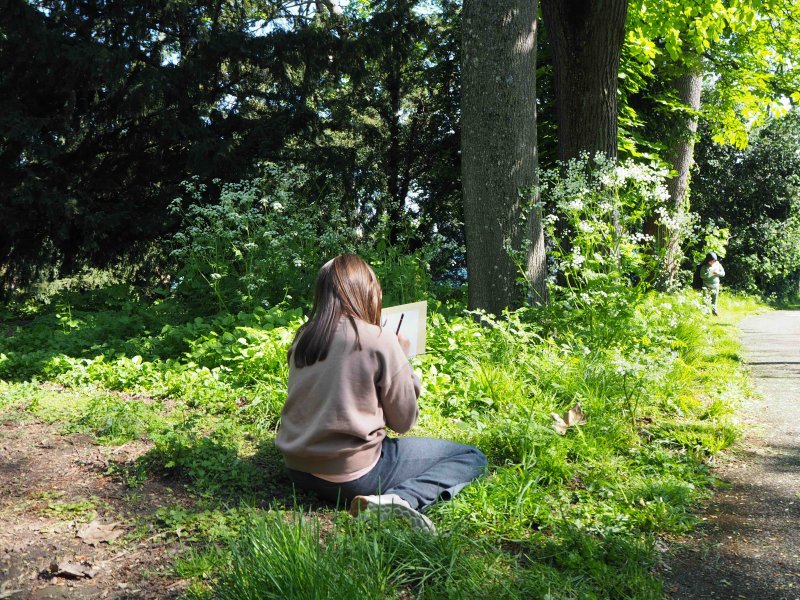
x=750 y=547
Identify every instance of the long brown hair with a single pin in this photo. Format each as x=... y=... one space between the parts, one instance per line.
x=346 y=286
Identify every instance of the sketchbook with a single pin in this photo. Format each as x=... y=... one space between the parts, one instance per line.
x=412 y=326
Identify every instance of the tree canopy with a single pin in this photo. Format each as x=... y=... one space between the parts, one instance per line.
x=108 y=106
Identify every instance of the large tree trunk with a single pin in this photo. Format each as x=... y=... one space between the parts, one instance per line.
x=499 y=161
x=586 y=39
x=688 y=88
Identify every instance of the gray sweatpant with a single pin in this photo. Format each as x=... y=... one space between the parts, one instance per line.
x=419 y=470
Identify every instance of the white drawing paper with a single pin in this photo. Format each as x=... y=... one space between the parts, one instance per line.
x=412 y=326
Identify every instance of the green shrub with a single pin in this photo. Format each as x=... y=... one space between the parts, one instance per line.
x=261 y=243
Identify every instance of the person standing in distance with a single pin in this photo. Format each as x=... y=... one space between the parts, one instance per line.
x=349 y=379
x=710 y=273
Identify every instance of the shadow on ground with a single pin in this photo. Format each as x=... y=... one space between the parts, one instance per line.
x=749 y=544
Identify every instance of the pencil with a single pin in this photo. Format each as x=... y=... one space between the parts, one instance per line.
x=400 y=323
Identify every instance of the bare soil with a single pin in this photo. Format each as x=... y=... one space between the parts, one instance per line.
x=50 y=486
x=749 y=546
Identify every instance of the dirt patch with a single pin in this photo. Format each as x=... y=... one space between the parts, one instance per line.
x=749 y=545
x=50 y=486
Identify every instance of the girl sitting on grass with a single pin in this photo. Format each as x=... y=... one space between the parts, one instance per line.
x=348 y=379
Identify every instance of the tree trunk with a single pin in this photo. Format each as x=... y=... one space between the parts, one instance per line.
x=499 y=160
x=586 y=39
x=688 y=88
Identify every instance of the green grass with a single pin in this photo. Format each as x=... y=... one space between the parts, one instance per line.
x=288 y=556
x=557 y=517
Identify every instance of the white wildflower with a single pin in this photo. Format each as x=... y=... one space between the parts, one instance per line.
x=575 y=204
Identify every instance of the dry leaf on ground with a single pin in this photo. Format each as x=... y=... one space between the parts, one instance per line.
x=72 y=570
x=573 y=417
x=97 y=532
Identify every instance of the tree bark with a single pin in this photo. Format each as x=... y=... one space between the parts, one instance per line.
x=586 y=38
x=688 y=87
x=499 y=159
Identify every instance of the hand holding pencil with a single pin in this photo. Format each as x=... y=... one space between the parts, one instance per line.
x=408 y=323
x=405 y=343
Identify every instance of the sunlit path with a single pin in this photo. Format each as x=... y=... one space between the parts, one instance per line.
x=751 y=546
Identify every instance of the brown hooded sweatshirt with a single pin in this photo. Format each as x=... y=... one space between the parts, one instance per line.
x=336 y=409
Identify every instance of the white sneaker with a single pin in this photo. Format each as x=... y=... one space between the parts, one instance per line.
x=390 y=505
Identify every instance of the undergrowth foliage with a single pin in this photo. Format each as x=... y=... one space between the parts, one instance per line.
x=595 y=215
x=262 y=243
x=567 y=515
x=558 y=516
